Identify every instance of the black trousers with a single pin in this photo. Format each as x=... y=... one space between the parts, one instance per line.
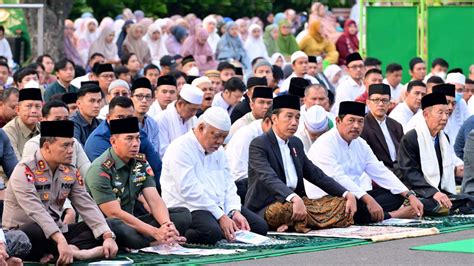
x=388 y=201
x=205 y=228
x=79 y=234
x=127 y=237
x=242 y=189
x=462 y=204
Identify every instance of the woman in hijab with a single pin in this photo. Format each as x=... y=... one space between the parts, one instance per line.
x=315 y=44
x=231 y=47
x=328 y=21
x=286 y=42
x=270 y=38
x=69 y=43
x=278 y=60
x=334 y=74
x=134 y=44
x=199 y=48
x=348 y=43
x=254 y=44
x=87 y=35
x=122 y=36
x=176 y=40
x=156 y=44
x=105 y=45
x=106 y=22
x=210 y=23
x=243 y=28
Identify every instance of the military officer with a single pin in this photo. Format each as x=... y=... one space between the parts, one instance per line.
x=35 y=196
x=118 y=178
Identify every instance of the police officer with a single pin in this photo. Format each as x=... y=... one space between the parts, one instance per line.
x=35 y=196
x=118 y=177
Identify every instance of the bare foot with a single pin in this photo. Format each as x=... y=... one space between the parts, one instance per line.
x=282 y=228
x=14 y=261
x=46 y=258
x=87 y=254
x=406 y=212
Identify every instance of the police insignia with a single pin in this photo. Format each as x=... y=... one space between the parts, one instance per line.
x=149 y=171
x=41 y=179
x=29 y=175
x=68 y=178
x=41 y=164
x=45 y=196
x=79 y=178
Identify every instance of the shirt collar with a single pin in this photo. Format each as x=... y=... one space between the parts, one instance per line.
x=196 y=141
x=340 y=140
x=280 y=140
x=25 y=131
x=117 y=161
x=80 y=119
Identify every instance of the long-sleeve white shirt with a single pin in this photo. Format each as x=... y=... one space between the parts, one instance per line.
x=348 y=90
x=171 y=126
x=198 y=181
x=286 y=83
x=237 y=150
x=220 y=102
x=402 y=114
x=347 y=163
x=395 y=92
x=154 y=110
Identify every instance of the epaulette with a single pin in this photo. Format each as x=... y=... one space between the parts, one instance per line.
x=140 y=157
x=108 y=163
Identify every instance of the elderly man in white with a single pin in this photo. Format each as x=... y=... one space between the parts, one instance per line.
x=196 y=175
x=179 y=116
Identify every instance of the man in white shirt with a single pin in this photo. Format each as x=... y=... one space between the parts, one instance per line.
x=299 y=64
x=316 y=123
x=234 y=89
x=439 y=67
x=117 y=88
x=393 y=77
x=351 y=87
x=165 y=93
x=205 y=84
x=237 y=151
x=407 y=109
x=461 y=111
x=349 y=160
x=179 y=117
x=315 y=94
x=196 y=175
x=261 y=101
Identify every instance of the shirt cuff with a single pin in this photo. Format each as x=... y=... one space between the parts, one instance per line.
x=2 y=237
x=359 y=194
x=290 y=197
x=344 y=194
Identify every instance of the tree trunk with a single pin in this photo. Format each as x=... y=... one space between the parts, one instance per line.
x=55 y=12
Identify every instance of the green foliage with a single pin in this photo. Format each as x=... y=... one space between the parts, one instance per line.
x=165 y=8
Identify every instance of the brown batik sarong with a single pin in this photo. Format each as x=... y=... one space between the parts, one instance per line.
x=326 y=212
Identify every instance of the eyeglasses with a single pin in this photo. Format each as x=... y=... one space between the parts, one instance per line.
x=140 y=97
x=116 y=94
x=107 y=76
x=377 y=101
x=357 y=67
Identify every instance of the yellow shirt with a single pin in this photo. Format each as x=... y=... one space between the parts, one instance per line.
x=326 y=49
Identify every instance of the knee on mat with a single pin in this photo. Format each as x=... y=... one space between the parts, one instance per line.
x=260 y=228
x=182 y=219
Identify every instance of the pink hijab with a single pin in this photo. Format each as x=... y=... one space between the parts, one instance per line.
x=202 y=53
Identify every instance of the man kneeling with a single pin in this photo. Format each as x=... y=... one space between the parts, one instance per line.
x=35 y=197
x=196 y=175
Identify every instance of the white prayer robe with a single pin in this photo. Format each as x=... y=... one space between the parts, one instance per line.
x=197 y=181
x=402 y=114
x=303 y=135
x=348 y=90
x=456 y=120
x=348 y=163
x=220 y=102
x=286 y=84
x=237 y=150
x=154 y=110
x=172 y=126
x=240 y=123
x=395 y=92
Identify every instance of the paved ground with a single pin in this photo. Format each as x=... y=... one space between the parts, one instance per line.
x=396 y=252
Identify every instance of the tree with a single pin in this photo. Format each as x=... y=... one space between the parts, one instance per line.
x=55 y=12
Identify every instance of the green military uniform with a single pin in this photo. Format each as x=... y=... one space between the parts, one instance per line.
x=109 y=178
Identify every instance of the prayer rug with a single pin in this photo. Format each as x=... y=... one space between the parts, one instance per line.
x=460 y=246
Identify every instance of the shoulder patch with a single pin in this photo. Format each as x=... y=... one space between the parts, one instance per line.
x=29 y=175
x=140 y=157
x=108 y=163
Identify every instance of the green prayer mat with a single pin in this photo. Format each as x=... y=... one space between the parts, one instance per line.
x=299 y=244
x=460 y=246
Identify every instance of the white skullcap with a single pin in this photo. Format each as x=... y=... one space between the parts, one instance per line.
x=32 y=84
x=456 y=78
x=298 y=54
x=316 y=119
x=118 y=83
x=191 y=94
x=200 y=81
x=216 y=117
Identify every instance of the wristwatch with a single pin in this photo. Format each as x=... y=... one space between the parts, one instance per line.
x=107 y=235
x=231 y=213
x=409 y=193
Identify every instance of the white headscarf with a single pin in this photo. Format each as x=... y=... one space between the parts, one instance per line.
x=213 y=38
x=255 y=47
x=332 y=71
x=157 y=48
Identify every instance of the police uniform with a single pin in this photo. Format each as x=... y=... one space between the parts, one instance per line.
x=109 y=178
x=34 y=202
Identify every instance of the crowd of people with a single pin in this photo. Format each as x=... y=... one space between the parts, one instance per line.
x=185 y=131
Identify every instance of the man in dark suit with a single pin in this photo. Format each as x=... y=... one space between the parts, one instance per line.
x=382 y=133
x=244 y=106
x=278 y=164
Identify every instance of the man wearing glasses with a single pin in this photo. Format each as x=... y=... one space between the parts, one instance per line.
x=352 y=86
x=142 y=97
x=342 y=155
x=382 y=133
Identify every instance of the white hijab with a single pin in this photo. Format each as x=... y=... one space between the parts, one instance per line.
x=213 y=38
x=255 y=47
x=157 y=48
